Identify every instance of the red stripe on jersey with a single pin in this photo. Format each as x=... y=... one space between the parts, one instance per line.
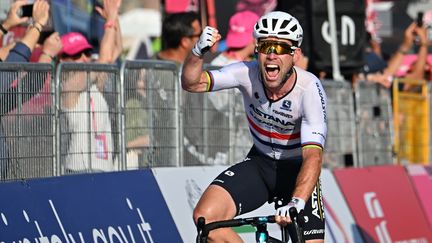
x=272 y=134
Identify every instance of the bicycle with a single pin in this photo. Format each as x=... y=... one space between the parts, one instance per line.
x=260 y=223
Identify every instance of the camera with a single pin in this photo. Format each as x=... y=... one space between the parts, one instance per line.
x=26 y=10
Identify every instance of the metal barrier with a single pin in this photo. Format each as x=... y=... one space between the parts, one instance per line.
x=88 y=101
x=412 y=121
x=216 y=131
x=98 y=118
x=374 y=124
x=151 y=114
x=341 y=144
x=27 y=121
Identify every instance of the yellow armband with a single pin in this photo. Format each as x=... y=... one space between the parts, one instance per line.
x=312 y=146
x=209 y=81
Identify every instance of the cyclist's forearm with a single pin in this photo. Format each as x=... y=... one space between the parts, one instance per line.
x=309 y=173
x=193 y=78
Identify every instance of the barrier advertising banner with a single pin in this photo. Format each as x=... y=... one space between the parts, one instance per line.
x=384 y=204
x=340 y=225
x=422 y=181
x=105 y=207
x=182 y=188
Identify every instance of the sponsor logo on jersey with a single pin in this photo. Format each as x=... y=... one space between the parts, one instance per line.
x=316 y=201
x=286 y=105
x=313 y=232
x=282 y=114
x=229 y=173
x=318 y=133
x=270 y=120
x=323 y=104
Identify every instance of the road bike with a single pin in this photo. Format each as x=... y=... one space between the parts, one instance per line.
x=293 y=231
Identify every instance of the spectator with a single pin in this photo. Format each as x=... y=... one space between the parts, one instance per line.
x=86 y=107
x=385 y=77
x=20 y=52
x=180 y=31
x=239 y=40
x=136 y=118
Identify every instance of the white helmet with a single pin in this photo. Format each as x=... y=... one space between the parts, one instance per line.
x=281 y=25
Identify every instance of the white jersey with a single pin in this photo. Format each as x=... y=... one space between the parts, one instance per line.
x=279 y=128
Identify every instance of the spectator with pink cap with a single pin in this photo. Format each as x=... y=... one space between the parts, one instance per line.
x=239 y=40
x=86 y=110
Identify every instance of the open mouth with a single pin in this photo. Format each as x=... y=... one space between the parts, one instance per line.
x=272 y=71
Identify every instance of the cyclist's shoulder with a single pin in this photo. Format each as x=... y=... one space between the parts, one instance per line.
x=241 y=67
x=306 y=79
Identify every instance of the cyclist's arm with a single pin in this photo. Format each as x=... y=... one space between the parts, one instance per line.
x=309 y=172
x=193 y=78
x=313 y=134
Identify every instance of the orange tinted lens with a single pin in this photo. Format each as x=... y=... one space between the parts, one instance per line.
x=278 y=48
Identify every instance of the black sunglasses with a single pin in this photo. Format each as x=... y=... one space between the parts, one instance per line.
x=77 y=56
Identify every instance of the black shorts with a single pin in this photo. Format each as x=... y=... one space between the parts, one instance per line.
x=259 y=179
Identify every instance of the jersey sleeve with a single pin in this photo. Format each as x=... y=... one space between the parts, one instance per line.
x=224 y=78
x=314 y=120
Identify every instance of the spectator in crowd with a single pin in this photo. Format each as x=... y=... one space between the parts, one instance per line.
x=18 y=52
x=239 y=40
x=136 y=119
x=84 y=103
x=21 y=51
x=180 y=31
x=384 y=76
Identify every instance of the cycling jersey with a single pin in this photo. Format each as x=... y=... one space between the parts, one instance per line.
x=279 y=127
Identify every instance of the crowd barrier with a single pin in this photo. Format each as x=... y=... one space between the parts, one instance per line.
x=412 y=121
x=156 y=205
x=147 y=120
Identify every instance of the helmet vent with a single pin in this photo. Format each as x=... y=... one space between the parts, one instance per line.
x=264 y=23
x=274 y=22
x=294 y=28
x=284 y=24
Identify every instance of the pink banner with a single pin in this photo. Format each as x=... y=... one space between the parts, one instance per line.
x=384 y=204
x=176 y=6
x=422 y=181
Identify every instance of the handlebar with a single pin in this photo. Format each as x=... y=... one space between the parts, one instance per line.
x=254 y=221
x=258 y=222
x=204 y=229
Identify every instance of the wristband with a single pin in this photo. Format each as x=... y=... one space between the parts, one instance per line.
x=298 y=203
x=37 y=28
x=2 y=28
x=109 y=24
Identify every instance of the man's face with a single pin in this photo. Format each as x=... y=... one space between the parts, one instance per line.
x=196 y=35
x=275 y=59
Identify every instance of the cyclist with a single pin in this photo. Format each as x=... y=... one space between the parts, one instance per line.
x=286 y=111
